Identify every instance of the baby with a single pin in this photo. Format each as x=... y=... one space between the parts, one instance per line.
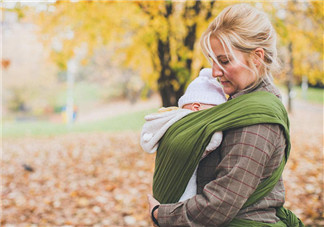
x=202 y=93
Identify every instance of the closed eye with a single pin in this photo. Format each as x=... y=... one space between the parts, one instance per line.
x=224 y=62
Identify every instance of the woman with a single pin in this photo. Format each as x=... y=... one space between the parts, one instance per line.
x=241 y=46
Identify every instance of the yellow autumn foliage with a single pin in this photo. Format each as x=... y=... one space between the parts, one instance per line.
x=145 y=26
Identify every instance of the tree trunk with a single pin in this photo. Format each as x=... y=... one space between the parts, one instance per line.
x=169 y=77
x=168 y=93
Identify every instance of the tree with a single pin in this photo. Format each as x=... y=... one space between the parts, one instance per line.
x=300 y=31
x=173 y=30
x=27 y=81
x=300 y=26
x=160 y=37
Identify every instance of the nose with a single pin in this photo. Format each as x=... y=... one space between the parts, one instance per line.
x=216 y=70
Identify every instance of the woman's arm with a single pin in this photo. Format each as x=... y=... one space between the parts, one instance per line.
x=245 y=153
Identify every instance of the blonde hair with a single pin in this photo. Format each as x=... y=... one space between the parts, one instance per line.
x=244 y=28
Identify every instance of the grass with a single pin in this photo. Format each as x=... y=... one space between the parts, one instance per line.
x=126 y=122
x=314 y=95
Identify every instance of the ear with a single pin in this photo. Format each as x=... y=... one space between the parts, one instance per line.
x=258 y=54
x=195 y=106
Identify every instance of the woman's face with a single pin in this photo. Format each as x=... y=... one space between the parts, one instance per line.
x=236 y=77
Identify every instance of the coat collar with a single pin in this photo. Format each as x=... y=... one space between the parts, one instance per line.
x=265 y=85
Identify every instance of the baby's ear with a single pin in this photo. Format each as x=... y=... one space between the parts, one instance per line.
x=195 y=106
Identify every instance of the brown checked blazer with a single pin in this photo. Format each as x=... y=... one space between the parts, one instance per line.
x=230 y=174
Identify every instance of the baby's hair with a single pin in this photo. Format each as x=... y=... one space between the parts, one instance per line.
x=244 y=28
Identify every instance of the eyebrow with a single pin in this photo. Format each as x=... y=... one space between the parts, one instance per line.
x=221 y=56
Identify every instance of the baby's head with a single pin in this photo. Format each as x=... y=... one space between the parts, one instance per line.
x=202 y=93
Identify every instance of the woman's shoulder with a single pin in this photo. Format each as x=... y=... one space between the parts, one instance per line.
x=267 y=85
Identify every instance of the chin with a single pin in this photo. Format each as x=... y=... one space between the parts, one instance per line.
x=229 y=91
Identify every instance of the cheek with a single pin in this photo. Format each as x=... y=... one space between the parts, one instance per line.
x=233 y=73
x=239 y=74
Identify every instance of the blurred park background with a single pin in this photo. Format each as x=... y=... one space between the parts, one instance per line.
x=79 y=76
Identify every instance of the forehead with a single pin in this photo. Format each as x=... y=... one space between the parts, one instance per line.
x=221 y=51
x=217 y=46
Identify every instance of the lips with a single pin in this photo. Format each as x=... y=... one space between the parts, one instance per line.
x=224 y=82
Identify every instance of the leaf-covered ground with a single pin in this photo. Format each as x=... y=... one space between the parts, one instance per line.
x=102 y=179
x=85 y=179
x=304 y=173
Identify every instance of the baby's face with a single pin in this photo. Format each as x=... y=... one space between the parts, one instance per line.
x=196 y=106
